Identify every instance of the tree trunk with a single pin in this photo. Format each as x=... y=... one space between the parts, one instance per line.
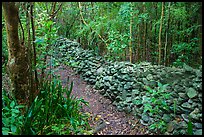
x=160 y=32
x=166 y=43
x=34 y=49
x=29 y=53
x=138 y=47
x=18 y=66
x=130 y=44
x=144 y=35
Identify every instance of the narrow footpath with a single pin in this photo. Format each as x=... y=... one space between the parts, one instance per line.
x=105 y=118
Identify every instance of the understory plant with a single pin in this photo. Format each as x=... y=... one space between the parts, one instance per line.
x=159 y=105
x=155 y=104
x=55 y=111
x=12 y=119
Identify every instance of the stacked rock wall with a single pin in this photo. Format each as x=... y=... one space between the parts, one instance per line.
x=124 y=82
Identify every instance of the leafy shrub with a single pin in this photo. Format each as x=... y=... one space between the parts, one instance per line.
x=158 y=103
x=49 y=113
x=155 y=105
x=52 y=113
x=12 y=119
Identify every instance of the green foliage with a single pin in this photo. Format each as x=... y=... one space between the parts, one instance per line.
x=185 y=51
x=117 y=42
x=190 y=126
x=159 y=125
x=155 y=104
x=46 y=35
x=4 y=44
x=12 y=119
x=52 y=112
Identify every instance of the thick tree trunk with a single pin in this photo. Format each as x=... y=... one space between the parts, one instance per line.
x=18 y=66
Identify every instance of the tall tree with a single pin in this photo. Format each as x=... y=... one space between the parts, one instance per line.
x=167 y=30
x=18 y=66
x=33 y=43
x=160 y=32
x=131 y=22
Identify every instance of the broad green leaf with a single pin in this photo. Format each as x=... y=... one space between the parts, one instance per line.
x=5 y=131
x=12 y=104
x=13 y=128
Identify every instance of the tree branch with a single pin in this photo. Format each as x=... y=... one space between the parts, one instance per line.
x=79 y=4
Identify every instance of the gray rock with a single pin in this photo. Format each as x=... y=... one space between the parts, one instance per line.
x=112 y=88
x=108 y=78
x=182 y=132
x=197 y=125
x=123 y=71
x=128 y=85
x=198 y=132
x=126 y=77
x=182 y=125
x=135 y=92
x=186 y=105
x=182 y=95
x=191 y=93
x=143 y=123
x=171 y=126
x=185 y=117
x=99 y=70
x=107 y=84
x=195 y=116
x=187 y=67
x=190 y=101
x=166 y=118
x=195 y=111
x=184 y=110
x=149 y=77
x=145 y=118
x=128 y=99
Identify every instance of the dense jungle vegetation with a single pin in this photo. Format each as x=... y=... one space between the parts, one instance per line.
x=167 y=35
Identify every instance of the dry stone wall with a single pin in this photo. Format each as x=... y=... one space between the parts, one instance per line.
x=125 y=83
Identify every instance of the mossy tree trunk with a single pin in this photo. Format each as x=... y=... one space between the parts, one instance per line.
x=18 y=66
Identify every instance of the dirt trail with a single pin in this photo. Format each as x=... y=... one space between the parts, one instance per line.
x=105 y=117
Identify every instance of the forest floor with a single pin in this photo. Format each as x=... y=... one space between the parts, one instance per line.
x=105 y=118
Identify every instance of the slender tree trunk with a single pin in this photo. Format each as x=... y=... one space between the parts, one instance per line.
x=18 y=66
x=160 y=32
x=138 y=47
x=130 y=44
x=144 y=35
x=33 y=43
x=166 y=43
x=28 y=16
x=155 y=34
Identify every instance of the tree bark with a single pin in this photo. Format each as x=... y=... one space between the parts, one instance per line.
x=167 y=29
x=33 y=38
x=28 y=43
x=130 y=44
x=18 y=66
x=160 y=32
